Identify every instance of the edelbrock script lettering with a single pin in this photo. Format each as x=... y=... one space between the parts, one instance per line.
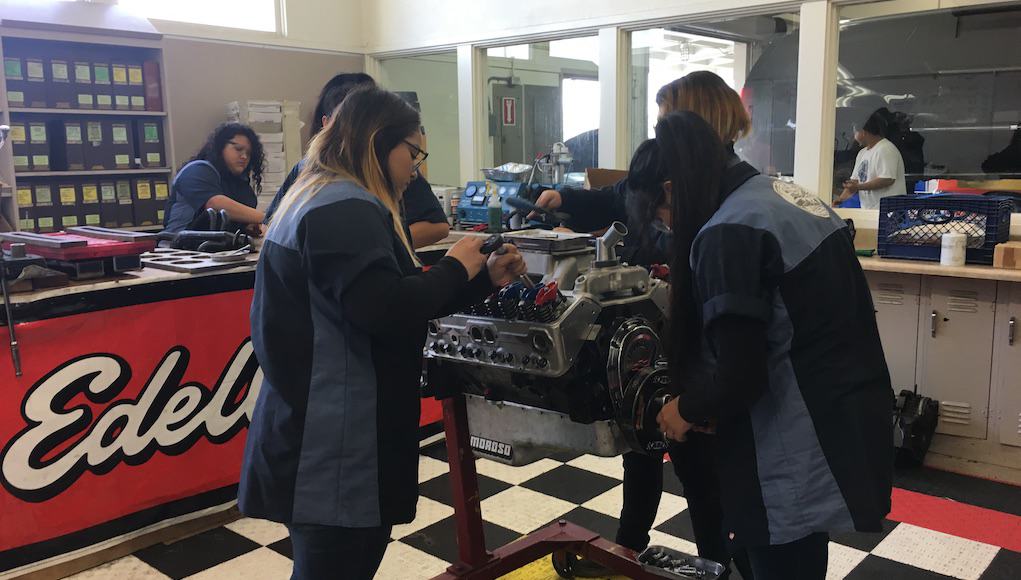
x=168 y=416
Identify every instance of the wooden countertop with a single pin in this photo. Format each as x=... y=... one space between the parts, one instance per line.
x=877 y=264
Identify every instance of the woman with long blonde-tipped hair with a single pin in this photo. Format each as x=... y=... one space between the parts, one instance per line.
x=338 y=322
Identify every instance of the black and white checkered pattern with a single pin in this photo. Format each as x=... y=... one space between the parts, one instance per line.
x=517 y=500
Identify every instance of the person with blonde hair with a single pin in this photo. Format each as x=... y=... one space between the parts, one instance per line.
x=338 y=322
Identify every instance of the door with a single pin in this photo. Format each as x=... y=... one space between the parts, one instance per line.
x=955 y=343
x=508 y=128
x=896 y=298
x=544 y=124
x=1007 y=364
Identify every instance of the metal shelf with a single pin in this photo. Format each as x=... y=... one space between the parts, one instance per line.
x=30 y=174
x=87 y=112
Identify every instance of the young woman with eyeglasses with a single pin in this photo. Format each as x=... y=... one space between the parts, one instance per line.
x=338 y=322
x=422 y=212
x=225 y=174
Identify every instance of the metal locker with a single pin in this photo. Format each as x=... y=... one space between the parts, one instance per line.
x=1007 y=364
x=955 y=351
x=896 y=298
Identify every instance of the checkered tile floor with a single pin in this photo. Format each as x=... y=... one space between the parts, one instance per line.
x=517 y=500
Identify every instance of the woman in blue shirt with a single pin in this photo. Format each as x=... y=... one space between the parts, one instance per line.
x=225 y=174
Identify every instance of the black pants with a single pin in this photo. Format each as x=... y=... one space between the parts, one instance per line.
x=330 y=552
x=694 y=462
x=643 y=486
x=803 y=559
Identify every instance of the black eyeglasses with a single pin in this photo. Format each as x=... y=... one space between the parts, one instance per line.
x=418 y=154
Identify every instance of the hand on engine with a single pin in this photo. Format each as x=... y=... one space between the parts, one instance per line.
x=505 y=265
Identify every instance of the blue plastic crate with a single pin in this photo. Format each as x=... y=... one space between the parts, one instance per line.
x=912 y=226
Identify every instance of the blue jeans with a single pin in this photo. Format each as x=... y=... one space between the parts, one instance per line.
x=328 y=552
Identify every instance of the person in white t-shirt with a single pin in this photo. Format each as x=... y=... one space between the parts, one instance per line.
x=879 y=167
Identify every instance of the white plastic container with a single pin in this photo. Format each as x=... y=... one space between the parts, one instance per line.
x=952 y=249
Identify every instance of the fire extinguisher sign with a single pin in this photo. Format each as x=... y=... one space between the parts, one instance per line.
x=510 y=111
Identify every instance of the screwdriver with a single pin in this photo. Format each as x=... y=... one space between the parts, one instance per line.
x=494 y=243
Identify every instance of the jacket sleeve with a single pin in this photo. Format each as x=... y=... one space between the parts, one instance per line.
x=594 y=209
x=349 y=251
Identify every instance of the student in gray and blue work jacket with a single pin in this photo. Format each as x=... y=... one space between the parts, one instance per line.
x=225 y=174
x=774 y=347
x=338 y=322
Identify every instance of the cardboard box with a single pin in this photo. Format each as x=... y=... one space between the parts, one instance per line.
x=68 y=145
x=96 y=146
x=14 y=71
x=69 y=200
x=35 y=83
x=1007 y=255
x=121 y=147
x=19 y=147
x=149 y=136
x=91 y=209
x=102 y=87
x=60 y=90
x=136 y=87
x=85 y=97
x=596 y=178
x=38 y=146
x=145 y=203
x=108 y=205
x=125 y=204
x=121 y=90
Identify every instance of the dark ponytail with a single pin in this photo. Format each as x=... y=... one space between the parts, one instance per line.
x=645 y=178
x=695 y=159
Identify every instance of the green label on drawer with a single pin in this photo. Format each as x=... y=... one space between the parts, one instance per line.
x=15 y=98
x=73 y=133
x=46 y=223
x=59 y=70
x=12 y=69
x=85 y=99
x=95 y=132
x=40 y=161
x=90 y=194
x=37 y=133
x=120 y=134
x=122 y=160
x=92 y=219
x=43 y=195
x=26 y=224
x=35 y=70
x=159 y=216
x=123 y=102
x=137 y=102
x=108 y=193
x=152 y=132
x=20 y=161
x=153 y=158
x=83 y=73
x=102 y=74
x=70 y=221
x=104 y=100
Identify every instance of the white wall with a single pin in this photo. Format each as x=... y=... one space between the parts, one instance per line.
x=332 y=25
x=434 y=78
x=392 y=25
